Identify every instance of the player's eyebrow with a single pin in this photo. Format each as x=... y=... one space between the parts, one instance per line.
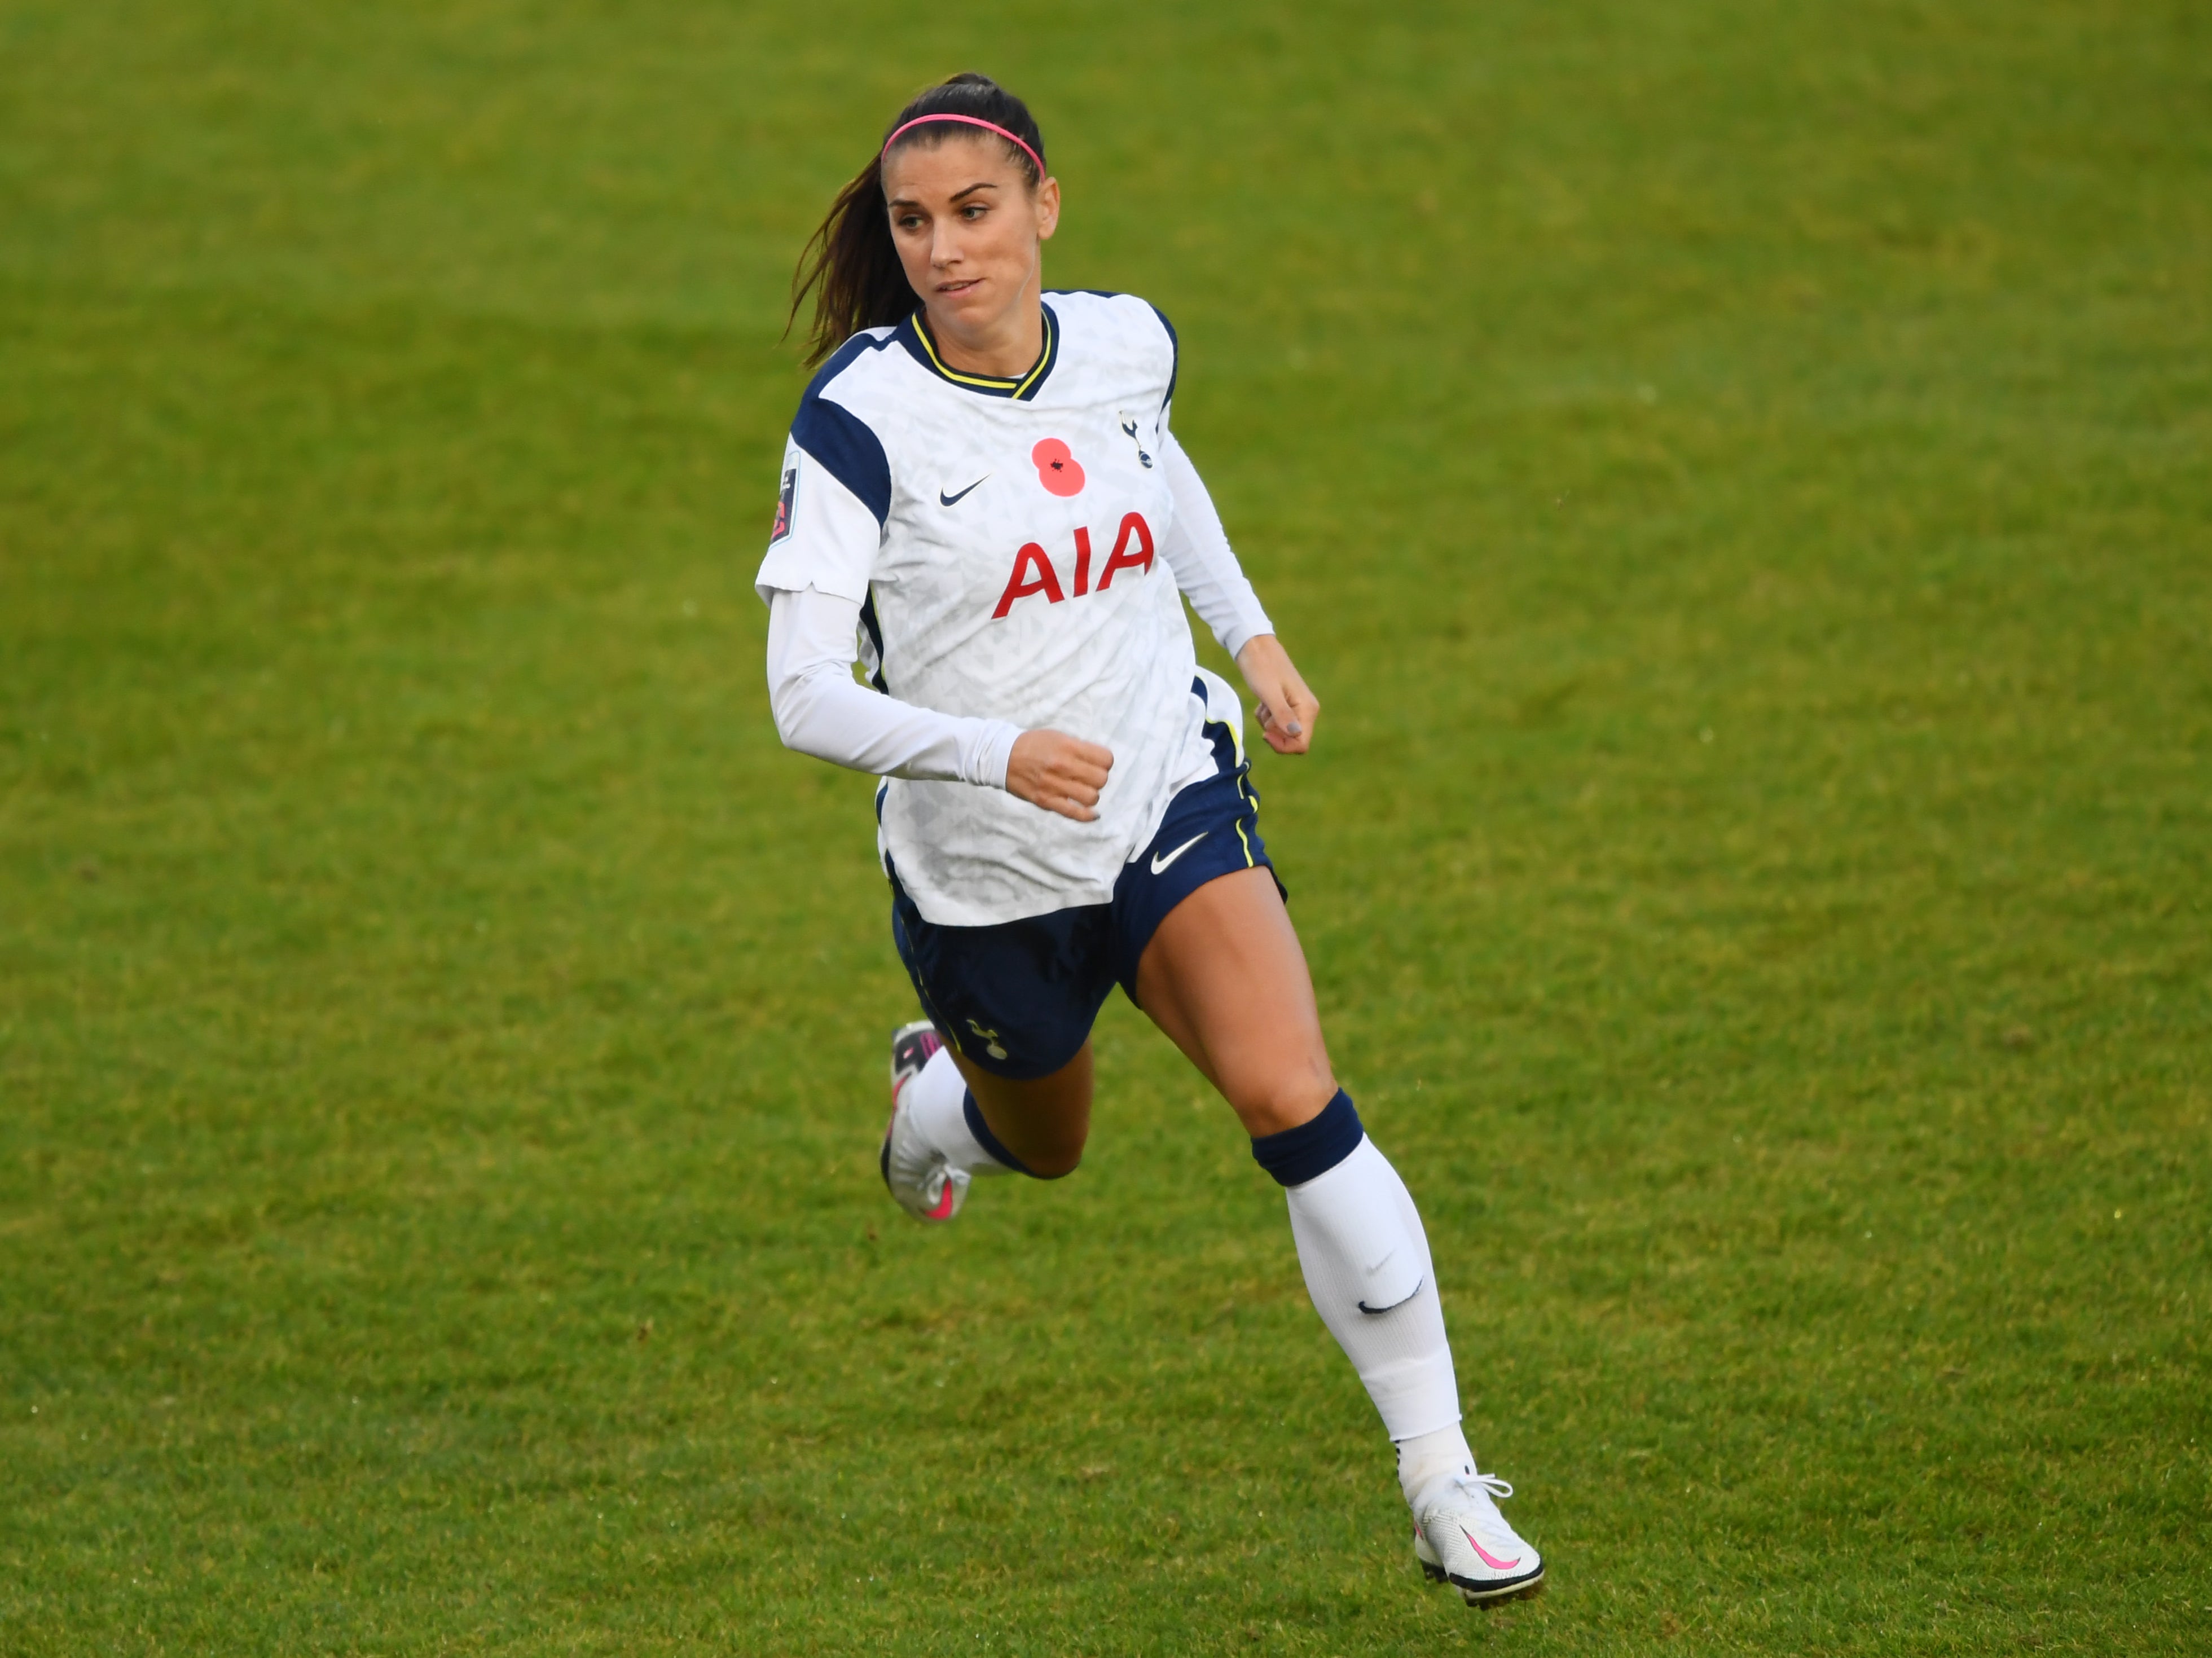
x=982 y=184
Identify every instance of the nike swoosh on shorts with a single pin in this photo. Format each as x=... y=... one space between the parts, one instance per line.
x=943 y=500
x=1159 y=863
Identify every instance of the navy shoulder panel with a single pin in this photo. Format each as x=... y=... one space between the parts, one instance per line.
x=840 y=440
x=1175 y=354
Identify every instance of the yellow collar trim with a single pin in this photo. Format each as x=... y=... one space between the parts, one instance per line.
x=990 y=382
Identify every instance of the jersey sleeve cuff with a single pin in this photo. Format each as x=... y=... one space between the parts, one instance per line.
x=987 y=753
x=1244 y=631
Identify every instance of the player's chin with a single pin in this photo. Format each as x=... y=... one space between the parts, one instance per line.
x=975 y=298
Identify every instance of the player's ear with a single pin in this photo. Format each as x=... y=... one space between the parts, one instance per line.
x=1047 y=208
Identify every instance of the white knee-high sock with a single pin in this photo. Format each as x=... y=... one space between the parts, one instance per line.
x=1367 y=1267
x=937 y=1103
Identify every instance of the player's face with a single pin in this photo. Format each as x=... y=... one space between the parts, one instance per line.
x=967 y=227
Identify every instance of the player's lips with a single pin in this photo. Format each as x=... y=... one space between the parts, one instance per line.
x=959 y=288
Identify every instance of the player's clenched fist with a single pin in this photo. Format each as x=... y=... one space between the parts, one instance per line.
x=1058 y=772
x=1286 y=708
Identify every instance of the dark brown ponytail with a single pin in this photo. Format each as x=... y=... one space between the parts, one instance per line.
x=849 y=264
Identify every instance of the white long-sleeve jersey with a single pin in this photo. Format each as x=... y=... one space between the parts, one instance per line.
x=1000 y=555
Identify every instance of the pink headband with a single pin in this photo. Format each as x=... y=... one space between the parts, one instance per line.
x=968 y=120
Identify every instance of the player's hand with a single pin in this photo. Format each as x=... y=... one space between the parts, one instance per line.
x=1285 y=707
x=1058 y=772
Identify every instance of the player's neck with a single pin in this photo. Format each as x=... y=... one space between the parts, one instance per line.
x=1006 y=347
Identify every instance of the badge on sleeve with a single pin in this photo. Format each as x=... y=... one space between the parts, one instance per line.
x=784 y=503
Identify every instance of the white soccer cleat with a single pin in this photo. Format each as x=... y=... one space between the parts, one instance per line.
x=917 y=1173
x=1461 y=1538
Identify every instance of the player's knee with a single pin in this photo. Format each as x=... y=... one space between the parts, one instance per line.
x=1280 y=1101
x=1054 y=1163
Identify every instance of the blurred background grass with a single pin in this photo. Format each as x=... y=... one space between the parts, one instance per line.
x=1737 y=476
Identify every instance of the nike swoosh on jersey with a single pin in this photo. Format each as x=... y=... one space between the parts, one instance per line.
x=1159 y=863
x=943 y=500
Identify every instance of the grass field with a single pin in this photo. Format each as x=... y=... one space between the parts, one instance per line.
x=1740 y=478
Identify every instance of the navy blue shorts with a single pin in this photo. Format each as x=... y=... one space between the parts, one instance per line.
x=1019 y=999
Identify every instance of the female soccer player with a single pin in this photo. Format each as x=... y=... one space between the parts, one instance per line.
x=983 y=505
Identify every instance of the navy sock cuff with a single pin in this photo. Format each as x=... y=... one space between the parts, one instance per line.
x=1298 y=1155
x=985 y=1137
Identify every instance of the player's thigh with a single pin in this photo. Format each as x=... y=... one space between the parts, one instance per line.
x=1043 y=1120
x=1225 y=978
x=1015 y=1003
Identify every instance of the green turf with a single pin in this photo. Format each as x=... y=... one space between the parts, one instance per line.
x=1739 y=478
